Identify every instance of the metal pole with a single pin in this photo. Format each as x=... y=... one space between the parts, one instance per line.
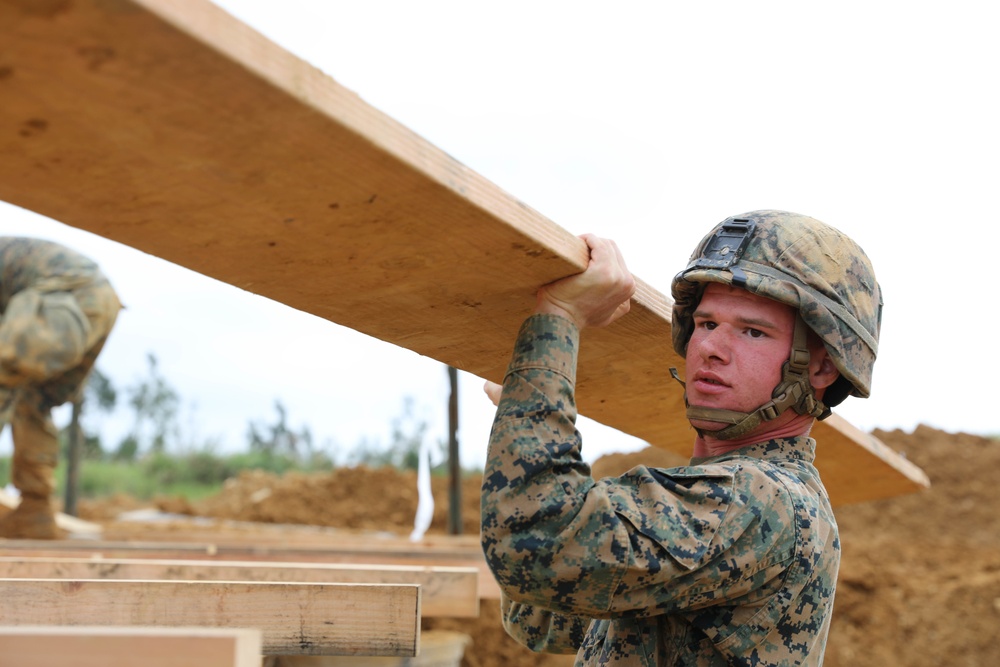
x=454 y=464
x=74 y=451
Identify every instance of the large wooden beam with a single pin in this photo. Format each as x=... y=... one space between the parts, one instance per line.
x=444 y=591
x=170 y=126
x=104 y=646
x=294 y=618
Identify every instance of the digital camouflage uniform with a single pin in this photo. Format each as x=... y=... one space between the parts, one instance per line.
x=727 y=561
x=56 y=311
x=730 y=560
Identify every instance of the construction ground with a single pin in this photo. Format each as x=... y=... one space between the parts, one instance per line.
x=919 y=583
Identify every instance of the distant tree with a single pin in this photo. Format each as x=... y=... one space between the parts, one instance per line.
x=155 y=403
x=128 y=449
x=279 y=438
x=99 y=392
x=403 y=451
x=407 y=438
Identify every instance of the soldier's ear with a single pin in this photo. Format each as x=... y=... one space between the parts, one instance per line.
x=822 y=371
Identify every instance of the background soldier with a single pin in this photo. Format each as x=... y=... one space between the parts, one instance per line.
x=56 y=311
x=733 y=559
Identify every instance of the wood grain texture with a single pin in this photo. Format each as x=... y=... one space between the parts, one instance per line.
x=294 y=618
x=444 y=591
x=364 y=552
x=169 y=126
x=102 y=646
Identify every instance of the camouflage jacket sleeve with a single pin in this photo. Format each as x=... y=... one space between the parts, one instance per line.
x=649 y=542
x=541 y=629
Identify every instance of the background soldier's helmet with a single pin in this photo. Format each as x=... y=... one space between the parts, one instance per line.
x=804 y=263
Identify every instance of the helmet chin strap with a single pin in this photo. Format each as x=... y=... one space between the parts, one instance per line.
x=793 y=391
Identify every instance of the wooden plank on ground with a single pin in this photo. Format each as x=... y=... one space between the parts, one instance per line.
x=105 y=646
x=171 y=127
x=294 y=618
x=448 y=551
x=444 y=591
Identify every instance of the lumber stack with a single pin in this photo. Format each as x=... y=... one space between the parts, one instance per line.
x=127 y=646
x=294 y=618
x=444 y=591
x=451 y=570
x=171 y=127
x=308 y=600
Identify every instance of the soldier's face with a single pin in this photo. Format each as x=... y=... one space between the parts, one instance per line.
x=736 y=352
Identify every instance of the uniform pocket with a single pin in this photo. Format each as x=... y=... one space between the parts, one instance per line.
x=681 y=509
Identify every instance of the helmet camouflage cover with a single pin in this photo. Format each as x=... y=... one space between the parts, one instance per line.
x=801 y=262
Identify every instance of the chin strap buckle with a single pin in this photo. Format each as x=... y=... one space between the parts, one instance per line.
x=794 y=391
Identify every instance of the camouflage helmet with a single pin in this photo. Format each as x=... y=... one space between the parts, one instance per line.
x=801 y=262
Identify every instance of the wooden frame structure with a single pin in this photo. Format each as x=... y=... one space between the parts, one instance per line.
x=459 y=559
x=444 y=591
x=449 y=571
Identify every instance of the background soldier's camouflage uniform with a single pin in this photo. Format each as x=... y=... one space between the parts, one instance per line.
x=730 y=560
x=56 y=311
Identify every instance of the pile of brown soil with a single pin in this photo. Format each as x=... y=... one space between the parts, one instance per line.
x=920 y=576
x=356 y=498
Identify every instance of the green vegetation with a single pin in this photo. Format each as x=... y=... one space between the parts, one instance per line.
x=193 y=476
x=154 y=459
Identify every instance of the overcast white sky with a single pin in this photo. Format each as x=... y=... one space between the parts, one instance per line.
x=647 y=122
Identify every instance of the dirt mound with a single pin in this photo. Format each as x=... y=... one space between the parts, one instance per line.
x=920 y=576
x=357 y=498
x=919 y=582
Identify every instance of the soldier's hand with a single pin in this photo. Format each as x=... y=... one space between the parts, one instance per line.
x=493 y=390
x=596 y=297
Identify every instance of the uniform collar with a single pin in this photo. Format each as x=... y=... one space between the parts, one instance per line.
x=798 y=448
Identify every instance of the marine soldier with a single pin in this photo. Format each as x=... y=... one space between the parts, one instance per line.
x=732 y=559
x=56 y=311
